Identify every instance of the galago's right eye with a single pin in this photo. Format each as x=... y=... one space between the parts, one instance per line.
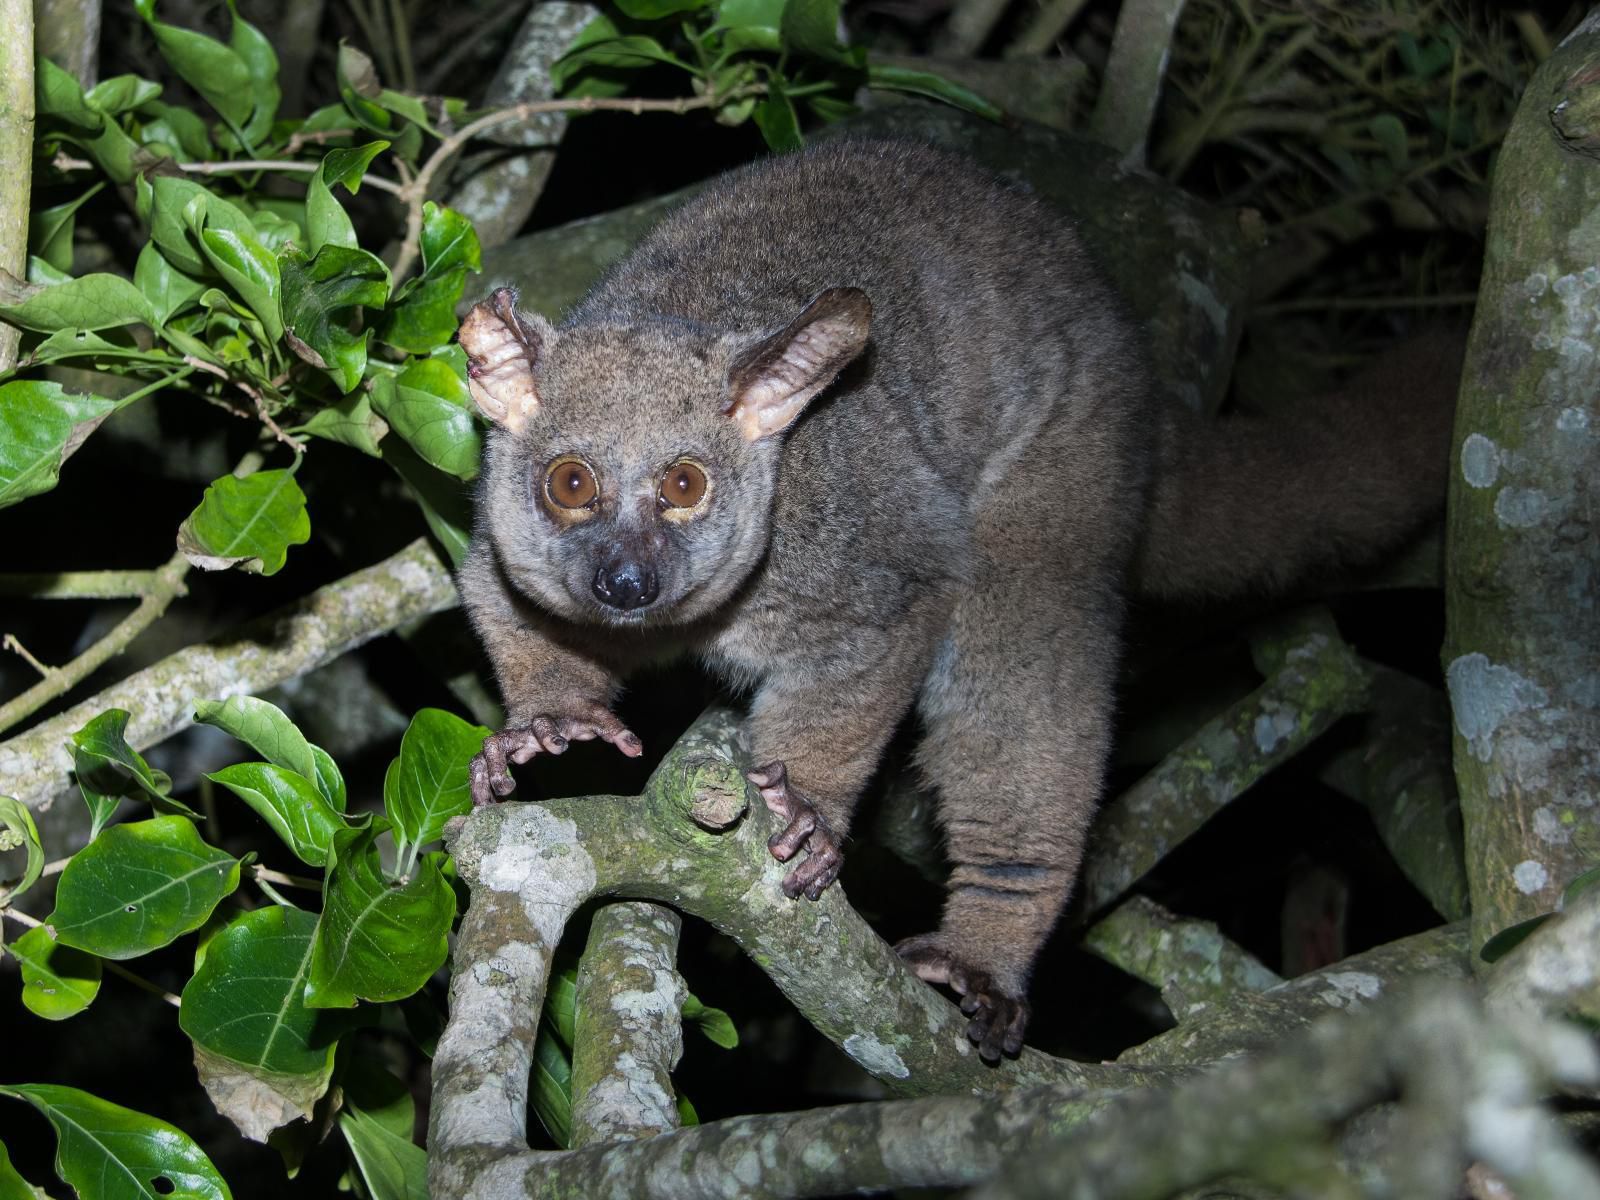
x=570 y=483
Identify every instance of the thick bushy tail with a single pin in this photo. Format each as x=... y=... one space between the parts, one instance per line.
x=1253 y=503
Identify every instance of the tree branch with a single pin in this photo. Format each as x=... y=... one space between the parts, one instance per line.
x=295 y=639
x=16 y=152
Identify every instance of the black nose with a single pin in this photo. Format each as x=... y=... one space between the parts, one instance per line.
x=625 y=585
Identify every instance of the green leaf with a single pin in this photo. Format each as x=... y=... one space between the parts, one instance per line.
x=1580 y=884
x=376 y=940
x=359 y=88
x=551 y=1095
x=18 y=832
x=351 y=422
x=392 y=1166
x=448 y=241
x=427 y=783
x=248 y=523
x=41 y=424
x=140 y=886
x=108 y=769
x=936 y=87
x=216 y=71
x=327 y=224
x=12 y=1185
x=561 y=999
x=1390 y=133
x=170 y=199
x=687 y=1117
x=424 y=317
x=57 y=93
x=57 y=981
x=91 y=302
x=717 y=1025
x=811 y=27
x=107 y=1152
x=178 y=128
x=599 y=44
x=376 y=1091
x=446 y=503
x=319 y=299
x=751 y=25
x=652 y=10
x=429 y=406
x=240 y=258
x=50 y=230
x=261 y=61
x=290 y=803
x=776 y=119
x=168 y=289
x=349 y=166
x=264 y=1057
x=1509 y=938
x=265 y=728
x=121 y=93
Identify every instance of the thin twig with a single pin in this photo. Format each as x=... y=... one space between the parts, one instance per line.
x=78 y=585
x=278 y=164
x=140 y=982
x=167 y=587
x=1360 y=303
x=11 y=643
x=416 y=192
x=261 y=873
x=255 y=395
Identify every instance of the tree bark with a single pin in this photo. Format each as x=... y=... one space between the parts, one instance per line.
x=1523 y=651
x=16 y=151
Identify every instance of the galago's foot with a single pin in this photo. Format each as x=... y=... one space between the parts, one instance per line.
x=805 y=827
x=999 y=1018
x=544 y=734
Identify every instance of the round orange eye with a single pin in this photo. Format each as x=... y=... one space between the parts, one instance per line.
x=683 y=486
x=570 y=483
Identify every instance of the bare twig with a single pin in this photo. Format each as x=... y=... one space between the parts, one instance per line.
x=10 y=642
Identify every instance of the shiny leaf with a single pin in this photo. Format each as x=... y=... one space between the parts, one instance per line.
x=427 y=783
x=57 y=981
x=248 y=523
x=41 y=424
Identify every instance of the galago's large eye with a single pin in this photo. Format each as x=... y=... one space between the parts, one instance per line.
x=683 y=486
x=570 y=483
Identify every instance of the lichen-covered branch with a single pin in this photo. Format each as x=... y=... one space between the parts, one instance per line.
x=1131 y=87
x=628 y=1033
x=1190 y=961
x=1315 y=680
x=500 y=194
x=1523 y=536
x=16 y=151
x=411 y=583
x=1468 y=1083
x=1401 y=773
x=1251 y=1021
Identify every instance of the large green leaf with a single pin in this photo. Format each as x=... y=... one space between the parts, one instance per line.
x=448 y=241
x=652 y=10
x=376 y=940
x=937 y=87
x=551 y=1090
x=812 y=28
x=217 y=72
x=18 y=832
x=427 y=783
x=248 y=523
x=601 y=44
x=121 y=93
x=140 y=886
x=41 y=424
x=430 y=407
x=393 y=1166
x=50 y=230
x=290 y=803
x=751 y=24
x=91 y=302
x=58 y=94
x=171 y=197
x=168 y=290
x=423 y=318
x=319 y=296
x=57 y=981
x=107 y=1152
x=263 y=727
x=778 y=122
x=264 y=1057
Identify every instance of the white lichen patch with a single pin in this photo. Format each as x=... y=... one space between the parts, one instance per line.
x=819 y=1156
x=1349 y=989
x=1536 y=285
x=875 y=1057
x=1202 y=297
x=641 y=1004
x=1530 y=876
x=507 y=867
x=1573 y=420
x=1272 y=729
x=1480 y=460
x=1521 y=508
x=1483 y=695
x=1548 y=828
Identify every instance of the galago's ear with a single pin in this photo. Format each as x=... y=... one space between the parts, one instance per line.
x=503 y=346
x=771 y=381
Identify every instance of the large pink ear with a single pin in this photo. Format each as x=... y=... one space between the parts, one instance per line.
x=771 y=381
x=502 y=348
